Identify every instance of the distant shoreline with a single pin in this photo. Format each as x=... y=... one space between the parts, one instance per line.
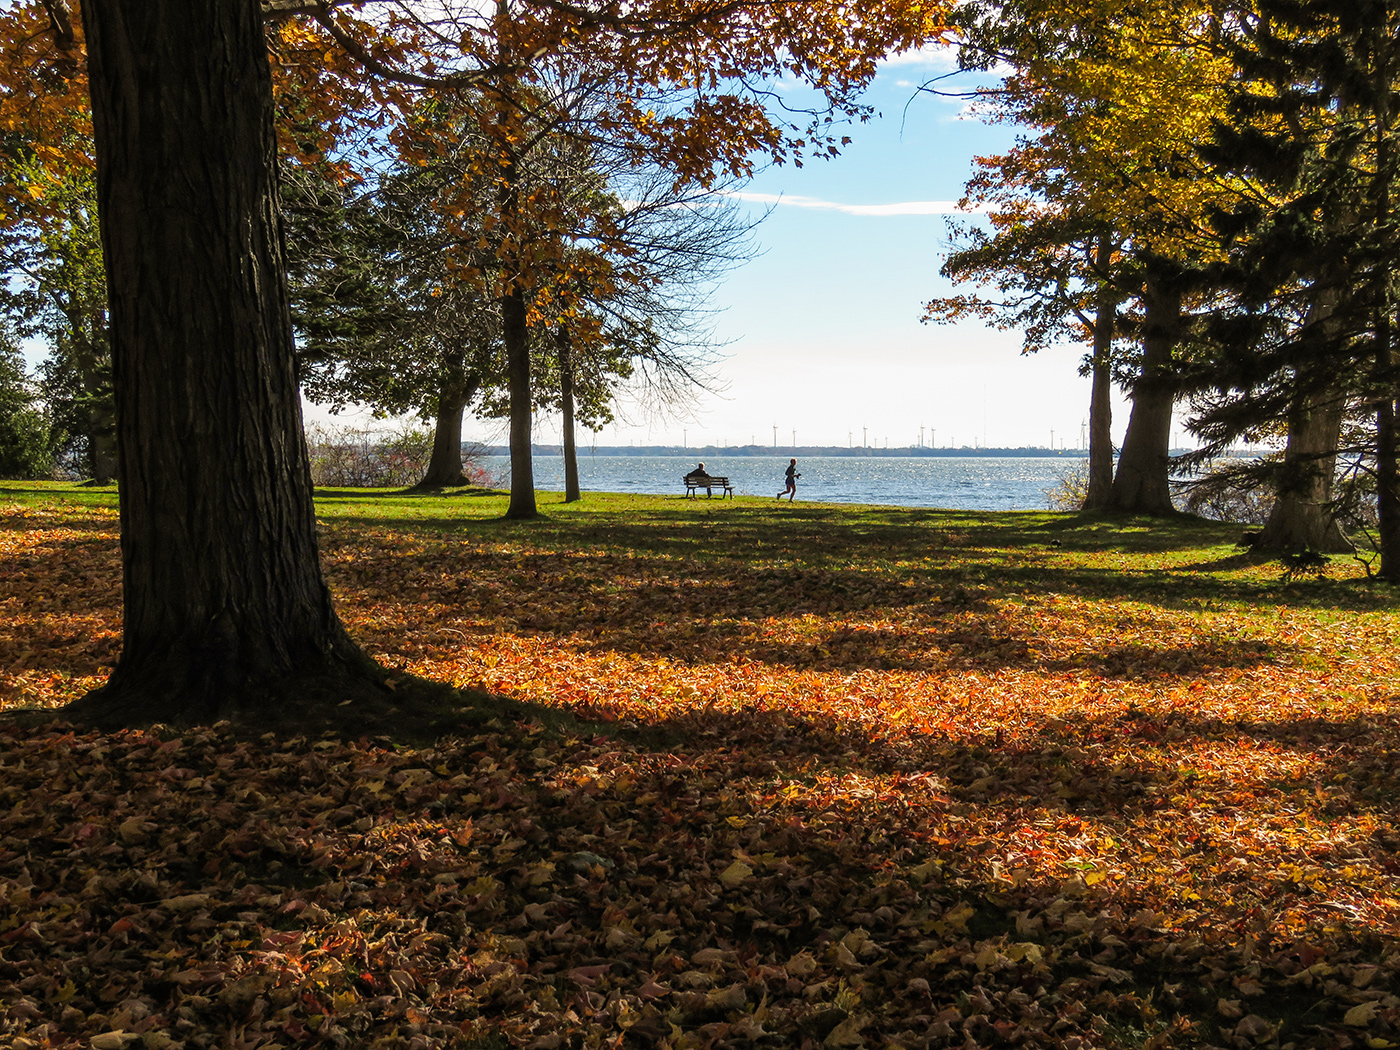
x=800 y=451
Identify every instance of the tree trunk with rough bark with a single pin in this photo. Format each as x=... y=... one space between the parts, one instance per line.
x=515 y=331
x=1100 y=435
x=566 y=396
x=102 y=450
x=1300 y=518
x=92 y=363
x=516 y=337
x=1101 y=391
x=1387 y=452
x=1141 y=485
x=445 y=464
x=224 y=602
x=1387 y=408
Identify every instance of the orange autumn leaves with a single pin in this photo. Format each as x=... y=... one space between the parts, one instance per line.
x=1084 y=764
x=889 y=652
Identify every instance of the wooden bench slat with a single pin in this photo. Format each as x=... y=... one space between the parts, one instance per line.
x=707 y=482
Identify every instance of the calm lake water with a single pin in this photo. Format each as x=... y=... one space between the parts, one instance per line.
x=959 y=483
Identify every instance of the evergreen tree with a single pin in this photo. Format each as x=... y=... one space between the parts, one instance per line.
x=1308 y=332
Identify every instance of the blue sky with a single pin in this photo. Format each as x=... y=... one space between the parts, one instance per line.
x=822 y=330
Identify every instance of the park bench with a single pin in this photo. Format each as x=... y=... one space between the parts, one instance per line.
x=708 y=482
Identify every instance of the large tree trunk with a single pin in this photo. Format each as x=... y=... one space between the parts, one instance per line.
x=102 y=450
x=102 y=430
x=516 y=336
x=445 y=463
x=94 y=376
x=1141 y=485
x=224 y=602
x=93 y=366
x=1387 y=452
x=1101 y=391
x=566 y=396
x=515 y=332
x=1300 y=519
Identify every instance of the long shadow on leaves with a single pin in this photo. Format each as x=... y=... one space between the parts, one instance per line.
x=1015 y=553
x=717 y=880
x=698 y=612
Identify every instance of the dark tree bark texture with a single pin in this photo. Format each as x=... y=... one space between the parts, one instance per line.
x=102 y=447
x=515 y=331
x=445 y=463
x=1387 y=453
x=1300 y=519
x=1142 y=483
x=1101 y=390
x=566 y=396
x=224 y=600
x=1387 y=406
x=516 y=336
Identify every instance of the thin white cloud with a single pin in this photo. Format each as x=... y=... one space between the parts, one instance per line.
x=939 y=56
x=897 y=208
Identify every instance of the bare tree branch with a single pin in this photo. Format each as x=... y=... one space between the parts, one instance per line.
x=61 y=18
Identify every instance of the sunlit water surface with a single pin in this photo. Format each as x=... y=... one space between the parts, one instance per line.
x=961 y=483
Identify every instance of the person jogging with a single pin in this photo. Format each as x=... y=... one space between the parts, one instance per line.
x=791 y=490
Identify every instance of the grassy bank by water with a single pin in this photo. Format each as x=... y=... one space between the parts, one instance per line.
x=845 y=776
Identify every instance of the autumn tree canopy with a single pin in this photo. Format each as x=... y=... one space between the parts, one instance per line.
x=225 y=607
x=1098 y=215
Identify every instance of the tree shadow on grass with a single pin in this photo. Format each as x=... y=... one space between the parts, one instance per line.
x=690 y=610
x=30 y=522
x=377 y=497
x=706 y=789
x=1024 y=553
x=983 y=647
x=819 y=619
